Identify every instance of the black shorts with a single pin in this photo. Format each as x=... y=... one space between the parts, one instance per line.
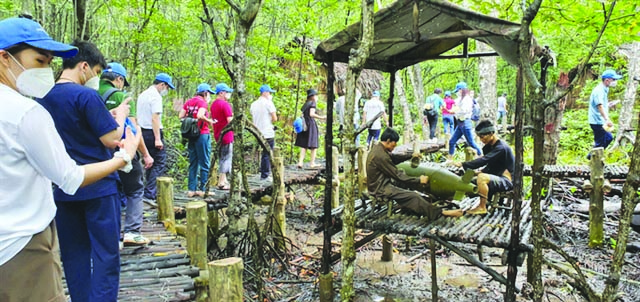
x=497 y=184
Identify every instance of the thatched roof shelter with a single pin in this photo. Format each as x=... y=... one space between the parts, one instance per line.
x=408 y=32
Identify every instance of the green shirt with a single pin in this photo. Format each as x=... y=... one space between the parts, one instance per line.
x=116 y=98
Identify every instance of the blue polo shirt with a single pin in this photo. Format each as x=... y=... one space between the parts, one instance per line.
x=598 y=97
x=81 y=118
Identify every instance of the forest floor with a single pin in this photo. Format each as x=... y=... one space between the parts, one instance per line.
x=458 y=280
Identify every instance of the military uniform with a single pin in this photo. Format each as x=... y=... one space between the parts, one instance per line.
x=384 y=181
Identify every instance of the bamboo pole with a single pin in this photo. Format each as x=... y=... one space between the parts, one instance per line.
x=596 y=214
x=225 y=280
x=335 y=196
x=165 y=203
x=197 y=233
x=387 y=248
x=326 y=287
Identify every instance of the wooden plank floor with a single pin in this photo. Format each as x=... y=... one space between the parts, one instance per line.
x=159 y=271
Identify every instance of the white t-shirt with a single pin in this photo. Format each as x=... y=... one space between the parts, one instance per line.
x=149 y=102
x=465 y=108
x=261 y=111
x=32 y=155
x=341 y=111
x=371 y=108
x=502 y=101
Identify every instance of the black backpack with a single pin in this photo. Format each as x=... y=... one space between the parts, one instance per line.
x=189 y=127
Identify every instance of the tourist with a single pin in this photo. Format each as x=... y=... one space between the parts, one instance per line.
x=222 y=113
x=599 y=109
x=373 y=107
x=263 y=113
x=448 y=114
x=309 y=139
x=432 y=106
x=464 y=125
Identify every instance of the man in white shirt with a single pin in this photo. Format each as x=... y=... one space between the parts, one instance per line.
x=149 y=109
x=264 y=115
x=341 y=111
x=502 y=107
x=31 y=157
x=371 y=108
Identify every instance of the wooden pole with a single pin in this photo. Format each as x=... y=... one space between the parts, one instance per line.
x=392 y=83
x=434 y=270
x=281 y=203
x=596 y=214
x=197 y=233
x=326 y=287
x=362 y=170
x=165 y=203
x=225 y=280
x=387 y=248
x=335 y=195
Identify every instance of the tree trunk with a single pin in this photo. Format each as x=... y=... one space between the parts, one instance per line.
x=82 y=25
x=415 y=75
x=407 y=134
x=225 y=280
x=629 y=202
x=487 y=96
x=631 y=51
x=356 y=64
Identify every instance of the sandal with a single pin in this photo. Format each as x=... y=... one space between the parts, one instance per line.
x=315 y=166
x=191 y=194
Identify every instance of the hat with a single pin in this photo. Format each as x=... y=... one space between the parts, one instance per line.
x=223 y=87
x=204 y=87
x=163 y=77
x=266 y=88
x=376 y=93
x=118 y=69
x=461 y=85
x=611 y=74
x=447 y=93
x=311 y=92
x=14 y=31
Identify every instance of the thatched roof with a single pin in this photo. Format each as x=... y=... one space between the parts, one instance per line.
x=441 y=26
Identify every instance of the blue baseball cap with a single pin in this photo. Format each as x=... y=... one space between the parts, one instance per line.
x=204 y=87
x=118 y=69
x=223 y=87
x=611 y=74
x=461 y=85
x=163 y=77
x=14 y=31
x=447 y=93
x=376 y=93
x=266 y=88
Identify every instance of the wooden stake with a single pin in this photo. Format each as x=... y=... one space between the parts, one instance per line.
x=165 y=203
x=596 y=212
x=326 y=287
x=387 y=248
x=225 y=280
x=434 y=270
x=362 y=170
x=335 y=196
x=281 y=203
x=197 y=233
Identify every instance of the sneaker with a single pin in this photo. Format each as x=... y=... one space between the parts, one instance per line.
x=134 y=239
x=268 y=179
x=120 y=245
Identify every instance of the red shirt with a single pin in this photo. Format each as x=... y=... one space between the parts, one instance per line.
x=221 y=110
x=193 y=105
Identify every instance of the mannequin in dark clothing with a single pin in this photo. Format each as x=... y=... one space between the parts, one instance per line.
x=498 y=162
x=383 y=179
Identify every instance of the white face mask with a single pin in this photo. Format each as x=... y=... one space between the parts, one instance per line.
x=613 y=84
x=164 y=92
x=93 y=83
x=34 y=82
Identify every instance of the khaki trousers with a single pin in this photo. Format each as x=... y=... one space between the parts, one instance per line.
x=34 y=274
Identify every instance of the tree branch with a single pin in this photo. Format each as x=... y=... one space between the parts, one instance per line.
x=234 y=6
x=223 y=57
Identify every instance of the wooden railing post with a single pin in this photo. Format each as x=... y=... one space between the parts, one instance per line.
x=362 y=170
x=225 y=280
x=596 y=211
x=166 y=214
x=335 y=201
x=387 y=248
x=279 y=209
x=197 y=233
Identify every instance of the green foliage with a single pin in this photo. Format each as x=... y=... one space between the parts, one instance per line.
x=613 y=242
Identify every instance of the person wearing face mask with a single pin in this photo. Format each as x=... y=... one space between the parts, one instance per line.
x=34 y=156
x=89 y=220
x=222 y=112
x=263 y=113
x=599 y=110
x=149 y=110
x=200 y=148
x=112 y=81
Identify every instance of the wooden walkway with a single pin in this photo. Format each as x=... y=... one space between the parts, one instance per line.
x=159 y=271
